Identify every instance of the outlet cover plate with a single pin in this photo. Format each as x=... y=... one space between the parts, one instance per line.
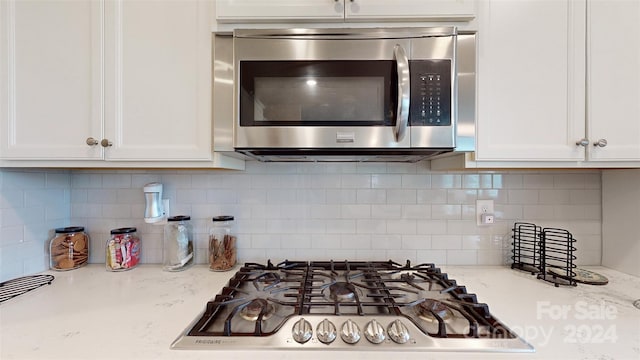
x=483 y=207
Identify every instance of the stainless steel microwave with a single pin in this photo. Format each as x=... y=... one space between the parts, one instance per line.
x=398 y=94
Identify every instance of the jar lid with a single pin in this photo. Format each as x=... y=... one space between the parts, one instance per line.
x=222 y=218
x=179 y=218
x=69 y=229
x=126 y=230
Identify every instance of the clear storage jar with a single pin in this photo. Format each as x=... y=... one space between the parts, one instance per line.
x=69 y=248
x=178 y=251
x=123 y=249
x=222 y=244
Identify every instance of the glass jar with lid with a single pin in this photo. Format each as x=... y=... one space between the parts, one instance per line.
x=222 y=244
x=122 y=249
x=69 y=248
x=178 y=250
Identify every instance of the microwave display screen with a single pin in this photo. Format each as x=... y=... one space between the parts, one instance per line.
x=317 y=93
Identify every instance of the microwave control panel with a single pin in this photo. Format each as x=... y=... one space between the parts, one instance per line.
x=430 y=93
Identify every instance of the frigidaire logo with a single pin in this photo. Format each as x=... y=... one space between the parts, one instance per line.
x=213 y=341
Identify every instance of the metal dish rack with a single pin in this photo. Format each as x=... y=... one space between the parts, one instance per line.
x=12 y=288
x=547 y=252
x=556 y=254
x=526 y=247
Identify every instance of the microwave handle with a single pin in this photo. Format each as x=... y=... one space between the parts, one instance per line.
x=402 y=115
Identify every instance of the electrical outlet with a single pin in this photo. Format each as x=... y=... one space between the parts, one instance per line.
x=484 y=212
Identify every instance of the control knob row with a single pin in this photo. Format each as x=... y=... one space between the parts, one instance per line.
x=350 y=332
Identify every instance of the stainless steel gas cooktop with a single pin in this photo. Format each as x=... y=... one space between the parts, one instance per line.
x=372 y=305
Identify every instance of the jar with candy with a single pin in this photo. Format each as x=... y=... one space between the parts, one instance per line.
x=123 y=249
x=69 y=248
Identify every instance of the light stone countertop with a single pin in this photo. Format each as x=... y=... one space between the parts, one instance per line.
x=90 y=313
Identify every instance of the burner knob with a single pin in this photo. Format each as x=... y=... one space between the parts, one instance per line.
x=302 y=331
x=350 y=332
x=326 y=331
x=374 y=332
x=398 y=332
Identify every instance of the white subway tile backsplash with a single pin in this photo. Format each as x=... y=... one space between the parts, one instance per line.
x=523 y=196
x=116 y=181
x=337 y=226
x=355 y=211
x=446 y=181
x=354 y=241
x=385 y=241
x=462 y=257
x=432 y=227
x=438 y=257
x=537 y=181
x=446 y=242
x=402 y=255
x=403 y=226
x=401 y=196
x=371 y=196
x=477 y=181
x=366 y=226
x=386 y=181
x=416 y=212
x=446 y=211
x=490 y=257
x=569 y=181
x=416 y=242
x=421 y=181
x=509 y=181
x=553 y=197
x=360 y=181
x=341 y=196
x=309 y=211
x=436 y=196
x=585 y=197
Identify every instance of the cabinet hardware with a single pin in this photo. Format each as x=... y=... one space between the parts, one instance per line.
x=91 y=141
x=600 y=143
x=106 y=143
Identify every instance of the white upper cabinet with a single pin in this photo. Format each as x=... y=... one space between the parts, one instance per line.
x=158 y=80
x=50 y=79
x=117 y=80
x=343 y=10
x=613 y=79
x=382 y=10
x=536 y=78
x=531 y=80
x=279 y=10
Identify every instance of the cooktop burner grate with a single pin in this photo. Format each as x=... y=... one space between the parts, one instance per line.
x=383 y=300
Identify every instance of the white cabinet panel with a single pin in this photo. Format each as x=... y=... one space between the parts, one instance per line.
x=50 y=79
x=366 y=10
x=158 y=83
x=614 y=79
x=134 y=73
x=531 y=80
x=279 y=10
x=343 y=10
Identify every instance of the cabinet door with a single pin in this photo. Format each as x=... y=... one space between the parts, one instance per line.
x=366 y=10
x=613 y=61
x=279 y=10
x=158 y=80
x=531 y=80
x=50 y=79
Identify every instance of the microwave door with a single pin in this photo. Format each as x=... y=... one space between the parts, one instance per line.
x=334 y=94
